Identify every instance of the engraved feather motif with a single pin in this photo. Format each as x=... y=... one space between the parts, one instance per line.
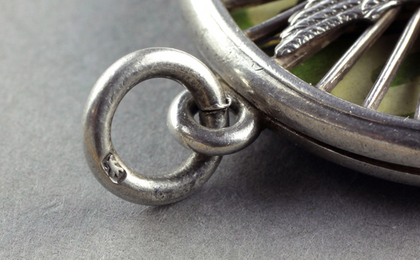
x=320 y=17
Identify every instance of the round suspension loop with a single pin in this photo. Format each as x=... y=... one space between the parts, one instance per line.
x=201 y=139
x=103 y=101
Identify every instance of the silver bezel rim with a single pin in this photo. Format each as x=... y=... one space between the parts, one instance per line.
x=290 y=101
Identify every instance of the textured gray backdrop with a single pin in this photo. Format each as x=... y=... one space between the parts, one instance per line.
x=270 y=201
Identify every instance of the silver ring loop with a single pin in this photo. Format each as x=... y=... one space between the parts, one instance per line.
x=208 y=141
x=103 y=101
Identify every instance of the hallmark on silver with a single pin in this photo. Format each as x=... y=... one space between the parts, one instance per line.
x=113 y=169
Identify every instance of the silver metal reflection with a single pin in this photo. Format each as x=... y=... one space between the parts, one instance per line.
x=270 y=27
x=388 y=73
x=417 y=112
x=321 y=18
x=379 y=144
x=207 y=141
x=103 y=101
x=363 y=139
x=355 y=52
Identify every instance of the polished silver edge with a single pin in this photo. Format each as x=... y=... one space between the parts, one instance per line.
x=132 y=69
x=396 y=173
x=211 y=141
x=293 y=102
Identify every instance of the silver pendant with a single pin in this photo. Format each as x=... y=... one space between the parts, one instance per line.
x=263 y=93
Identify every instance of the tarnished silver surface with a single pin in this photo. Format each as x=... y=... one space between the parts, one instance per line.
x=208 y=141
x=384 y=145
x=103 y=101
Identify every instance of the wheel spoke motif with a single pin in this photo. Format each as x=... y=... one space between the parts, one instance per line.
x=364 y=42
x=322 y=18
x=387 y=75
x=270 y=27
x=313 y=24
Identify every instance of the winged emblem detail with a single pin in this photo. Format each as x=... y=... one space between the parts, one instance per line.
x=320 y=17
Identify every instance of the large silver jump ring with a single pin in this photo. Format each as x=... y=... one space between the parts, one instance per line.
x=208 y=141
x=103 y=101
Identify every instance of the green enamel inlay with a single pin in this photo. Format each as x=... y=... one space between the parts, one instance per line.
x=357 y=83
x=241 y=18
x=408 y=71
x=313 y=69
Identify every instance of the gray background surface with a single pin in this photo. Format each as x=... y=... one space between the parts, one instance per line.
x=270 y=201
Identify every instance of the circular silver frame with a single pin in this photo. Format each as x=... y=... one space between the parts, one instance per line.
x=366 y=140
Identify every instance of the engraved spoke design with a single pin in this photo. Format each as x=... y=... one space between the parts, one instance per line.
x=363 y=43
x=270 y=27
x=387 y=75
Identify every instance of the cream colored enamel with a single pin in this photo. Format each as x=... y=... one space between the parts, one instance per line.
x=264 y=12
x=400 y=100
